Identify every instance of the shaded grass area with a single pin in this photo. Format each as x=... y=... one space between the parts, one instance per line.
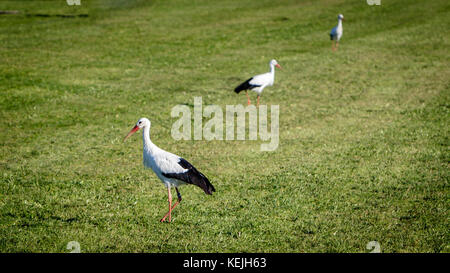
x=363 y=152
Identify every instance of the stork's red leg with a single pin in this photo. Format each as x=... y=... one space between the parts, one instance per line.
x=179 y=199
x=176 y=203
x=257 y=103
x=248 y=98
x=170 y=207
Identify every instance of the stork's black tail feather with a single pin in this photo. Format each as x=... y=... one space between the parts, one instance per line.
x=244 y=86
x=202 y=181
x=192 y=176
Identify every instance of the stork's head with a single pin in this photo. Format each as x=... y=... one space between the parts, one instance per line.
x=340 y=17
x=142 y=122
x=274 y=63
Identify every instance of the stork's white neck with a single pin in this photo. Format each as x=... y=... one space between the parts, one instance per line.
x=272 y=69
x=148 y=144
x=339 y=22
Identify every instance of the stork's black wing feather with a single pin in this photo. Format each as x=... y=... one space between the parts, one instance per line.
x=245 y=86
x=192 y=176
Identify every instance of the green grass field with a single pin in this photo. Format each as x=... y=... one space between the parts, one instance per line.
x=364 y=131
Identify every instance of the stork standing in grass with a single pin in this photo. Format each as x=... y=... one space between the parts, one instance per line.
x=336 y=33
x=259 y=82
x=171 y=169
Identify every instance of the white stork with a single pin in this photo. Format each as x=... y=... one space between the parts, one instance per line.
x=336 y=33
x=259 y=82
x=171 y=169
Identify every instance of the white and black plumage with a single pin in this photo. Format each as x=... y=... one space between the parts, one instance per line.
x=171 y=169
x=336 y=32
x=259 y=82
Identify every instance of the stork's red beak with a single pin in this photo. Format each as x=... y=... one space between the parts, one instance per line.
x=134 y=130
x=279 y=66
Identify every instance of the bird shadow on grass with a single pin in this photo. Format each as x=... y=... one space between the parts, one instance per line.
x=43 y=15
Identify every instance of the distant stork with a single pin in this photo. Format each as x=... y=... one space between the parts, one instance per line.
x=171 y=169
x=259 y=82
x=336 y=33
